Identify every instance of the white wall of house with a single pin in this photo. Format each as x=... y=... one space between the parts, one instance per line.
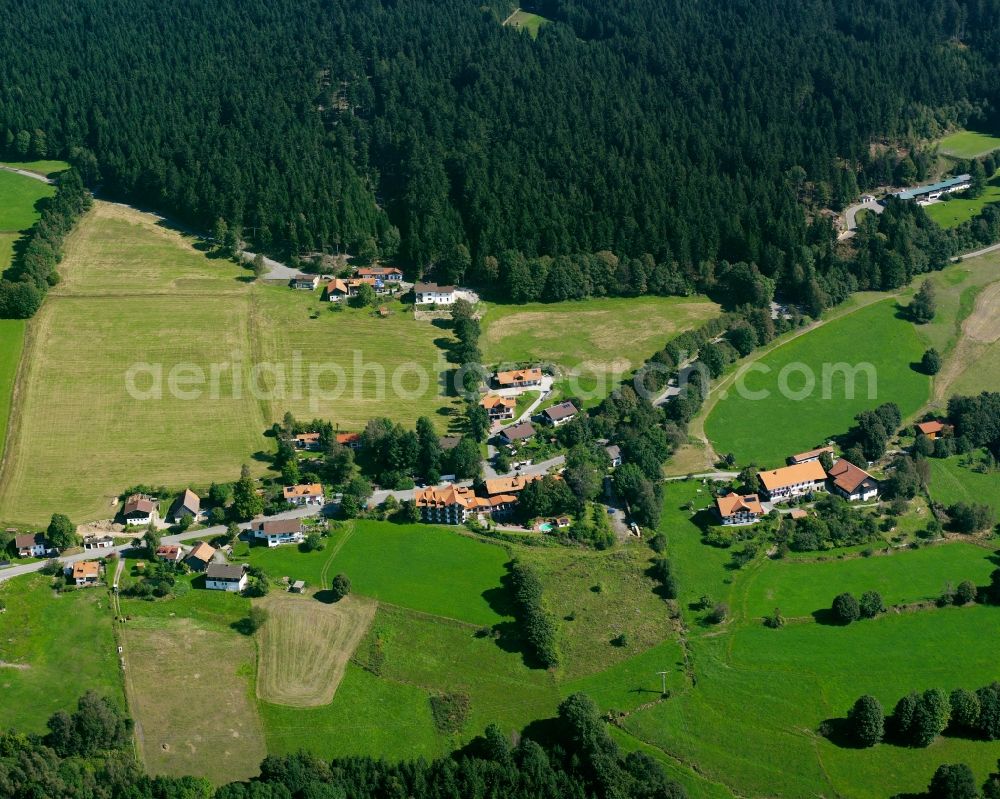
x=436 y=297
x=227 y=585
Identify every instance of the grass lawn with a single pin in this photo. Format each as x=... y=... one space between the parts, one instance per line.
x=19 y=197
x=365 y=366
x=749 y=426
x=525 y=20
x=954 y=480
x=907 y=575
x=42 y=636
x=594 y=343
x=597 y=596
x=11 y=344
x=430 y=569
x=957 y=210
x=968 y=144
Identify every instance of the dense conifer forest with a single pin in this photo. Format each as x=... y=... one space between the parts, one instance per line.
x=678 y=136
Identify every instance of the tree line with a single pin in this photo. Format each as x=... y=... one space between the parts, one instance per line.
x=23 y=286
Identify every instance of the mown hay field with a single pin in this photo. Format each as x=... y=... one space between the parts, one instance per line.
x=305 y=645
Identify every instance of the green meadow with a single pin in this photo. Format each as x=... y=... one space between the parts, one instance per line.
x=801 y=588
x=968 y=144
x=957 y=479
x=762 y=423
x=19 y=198
x=11 y=344
x=527 y=21
x=53 y=647
x=428 y=569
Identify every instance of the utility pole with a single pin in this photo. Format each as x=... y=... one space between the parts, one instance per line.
x=663 y=678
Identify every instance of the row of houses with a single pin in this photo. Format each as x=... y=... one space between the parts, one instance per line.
x=803 y=476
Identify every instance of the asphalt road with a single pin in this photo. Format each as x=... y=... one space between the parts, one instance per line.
x=206 y=533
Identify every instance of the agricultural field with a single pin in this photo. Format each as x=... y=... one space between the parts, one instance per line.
x=166 y=305
x=304 y=647
x=957 y=210
x=45 y=167
x=175 y=665
x=594 y=343
x=526 y=21
x=41 y=632
x=364 y=366
x=968 y=144
x=874 y=339
x=955 y=480
x=19 y=198
x=750 y=720
x=11 y=344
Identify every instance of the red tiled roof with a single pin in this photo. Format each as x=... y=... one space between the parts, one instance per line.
x=847 y=477
x=732 y=504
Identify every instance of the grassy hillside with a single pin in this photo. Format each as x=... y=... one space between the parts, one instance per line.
x=750 y=719
x=766 y=428
x=955 y=480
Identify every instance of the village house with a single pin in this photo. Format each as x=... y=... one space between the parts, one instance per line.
x=519 y=378
x=450 y=504
x=188 y=505
x=433 y=294
x=499 y=408
x=344 y=288
x=352 y=440
x=98 y=542
x=389 y=274
x=305 y=494
x=614 y=455
x=139 y=510
x=85 y=572
x=781 y=485
x=510 y=485
x=852 y=482
x=517 y=433
x=560 y=414
x=739 y=509
x=226 y=577
x=171 y=553
x=305 y=282
x=309 y=441
x=33 y=545
x=199 y=557
x=811 y=455
x=277 y=531
x=932 y=429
